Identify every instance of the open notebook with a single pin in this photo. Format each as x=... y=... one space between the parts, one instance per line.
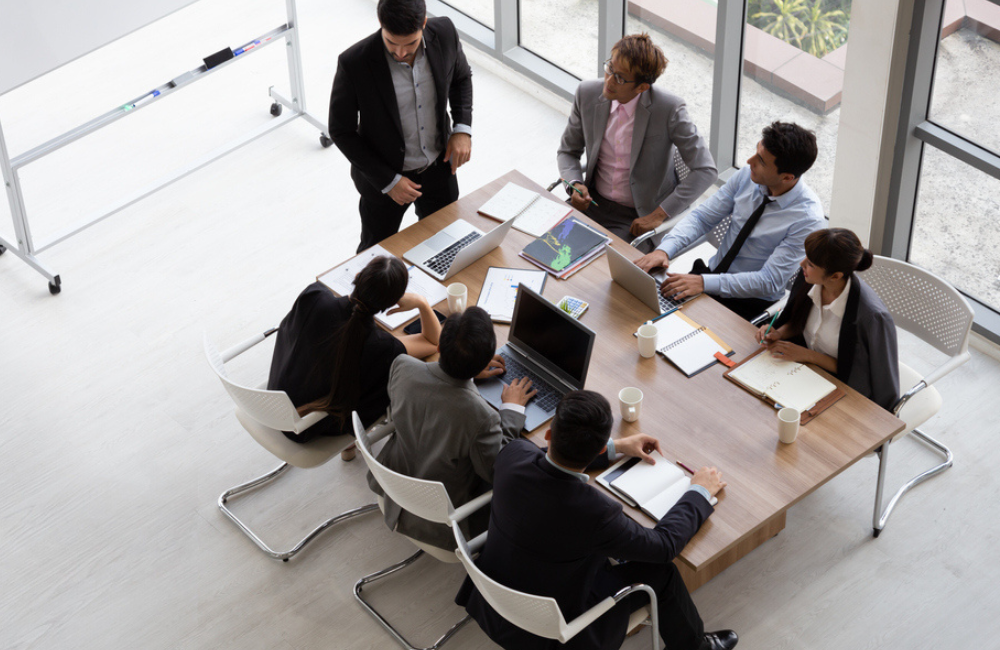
x=785 y=383
x=688 y=345
x=654 y=489
x=535 y=213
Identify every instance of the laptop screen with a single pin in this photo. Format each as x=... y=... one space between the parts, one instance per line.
x=551 y=337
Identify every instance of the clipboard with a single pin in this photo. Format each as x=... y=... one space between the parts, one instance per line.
x=806 y=416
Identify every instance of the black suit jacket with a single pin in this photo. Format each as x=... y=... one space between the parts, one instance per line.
x=364 y=115
x=550 y=534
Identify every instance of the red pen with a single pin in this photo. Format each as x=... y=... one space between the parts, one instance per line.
x=689 y=470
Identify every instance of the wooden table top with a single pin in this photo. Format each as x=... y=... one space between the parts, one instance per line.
x=704 y=420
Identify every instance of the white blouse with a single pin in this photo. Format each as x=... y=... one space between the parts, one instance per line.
x=822 y=331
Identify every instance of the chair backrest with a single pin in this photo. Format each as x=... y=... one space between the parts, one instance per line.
x=681 y=170
x=922 y=303
x=715 y=235
x=423 y=498
x=539 y=615
x=272 y=408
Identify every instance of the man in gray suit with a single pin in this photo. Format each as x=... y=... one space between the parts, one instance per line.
x=445 y=430
x=629 y=131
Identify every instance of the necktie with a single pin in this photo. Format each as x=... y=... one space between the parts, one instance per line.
x=742 y=237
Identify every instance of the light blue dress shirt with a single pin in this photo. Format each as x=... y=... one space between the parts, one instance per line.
x=770 y=255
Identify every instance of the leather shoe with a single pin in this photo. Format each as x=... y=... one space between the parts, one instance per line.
x=721 y=640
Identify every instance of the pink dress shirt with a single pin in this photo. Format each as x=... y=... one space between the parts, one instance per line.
x=615 y=155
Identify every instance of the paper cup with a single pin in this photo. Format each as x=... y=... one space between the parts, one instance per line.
x=630 y=400
x=458 y=297
x=647 y=335
x=788 y=425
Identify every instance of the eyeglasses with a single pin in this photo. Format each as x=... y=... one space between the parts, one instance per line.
x=620 y=80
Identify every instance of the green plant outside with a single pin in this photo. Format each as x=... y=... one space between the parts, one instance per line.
x=814 y=26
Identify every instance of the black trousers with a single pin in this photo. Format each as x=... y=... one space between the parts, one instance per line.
x=381 y=216
x=681 y=627
x=746 y=308
x=616 y=217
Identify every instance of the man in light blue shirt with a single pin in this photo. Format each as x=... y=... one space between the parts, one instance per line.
x=772 y=211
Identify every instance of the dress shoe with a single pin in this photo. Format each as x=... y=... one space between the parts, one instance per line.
x=721 y=640
x=349 y=453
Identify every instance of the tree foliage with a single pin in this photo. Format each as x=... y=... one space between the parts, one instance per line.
x=814 y=26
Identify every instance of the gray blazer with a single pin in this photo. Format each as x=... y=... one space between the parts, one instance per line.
x=445 y=431
x=661 y=123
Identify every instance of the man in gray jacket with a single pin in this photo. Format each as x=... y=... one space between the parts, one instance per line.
x=445 y=430
x=629 y=131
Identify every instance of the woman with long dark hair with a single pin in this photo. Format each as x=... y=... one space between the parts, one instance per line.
x=330 y=356
x=836 y=321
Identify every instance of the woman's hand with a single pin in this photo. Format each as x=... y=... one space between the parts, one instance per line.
x=790 y=351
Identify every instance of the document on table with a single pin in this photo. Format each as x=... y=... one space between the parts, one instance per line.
x=499 y=292
x=535 y=214
x=340 y=281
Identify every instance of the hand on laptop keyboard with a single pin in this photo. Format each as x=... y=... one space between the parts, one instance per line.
x=495 y=368
x=518 y=391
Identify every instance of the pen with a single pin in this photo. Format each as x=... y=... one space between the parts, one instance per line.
x=574 y=188
x=768 y=330
x=689 y=470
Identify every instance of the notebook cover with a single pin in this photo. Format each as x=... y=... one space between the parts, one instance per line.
x=566 y=243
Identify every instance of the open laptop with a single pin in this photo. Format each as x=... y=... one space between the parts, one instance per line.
x=642 y=285
x=455 y=247
x=549 y=347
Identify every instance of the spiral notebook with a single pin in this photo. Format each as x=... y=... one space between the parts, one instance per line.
x=535 y=214
x=686 y=344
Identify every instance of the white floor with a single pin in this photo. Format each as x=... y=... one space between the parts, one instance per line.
x=116 y=440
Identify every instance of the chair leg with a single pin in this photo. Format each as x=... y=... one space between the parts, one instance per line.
x=882 y=516
x=378 y=575
x=263 y=480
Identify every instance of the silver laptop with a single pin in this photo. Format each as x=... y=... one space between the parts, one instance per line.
x=547 y=346
x=642 y=285
x=455 y=247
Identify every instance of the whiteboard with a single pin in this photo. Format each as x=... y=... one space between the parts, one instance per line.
x=38 y=36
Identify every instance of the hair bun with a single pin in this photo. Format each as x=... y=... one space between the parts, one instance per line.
x=866 y=260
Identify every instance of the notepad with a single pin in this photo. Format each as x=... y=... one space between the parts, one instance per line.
x=686 y=344
x=535 y=214
x=783 y=382
x=654 y=489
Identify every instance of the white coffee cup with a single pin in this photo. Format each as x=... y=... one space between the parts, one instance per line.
x=647 y=335
x=629 y=400
x=458 y=297
x=788 y=424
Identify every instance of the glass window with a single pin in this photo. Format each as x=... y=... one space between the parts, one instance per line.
x=793 y=71
x=479 y=10
x=687 y=38
x=954 y=226
x=964 y=99
x=563 y=32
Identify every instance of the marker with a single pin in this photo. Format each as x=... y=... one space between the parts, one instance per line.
x=141 y=100
x=768 y=330
x=683 y=466
x=575 y=189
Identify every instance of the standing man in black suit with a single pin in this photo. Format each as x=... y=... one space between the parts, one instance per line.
x=389 y=116
x=551 y=534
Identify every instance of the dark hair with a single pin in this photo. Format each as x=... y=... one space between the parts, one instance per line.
x=580 y=428
x=402 y=17
x=377 y=287
x=837 y=249
x=467 y=343
x=793 y=148
x=644 y=57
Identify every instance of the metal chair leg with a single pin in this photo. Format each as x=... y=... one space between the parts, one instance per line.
x=284 y=556
x=882 y=516
x=378 y=575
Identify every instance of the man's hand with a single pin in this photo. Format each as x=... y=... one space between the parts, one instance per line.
x=682 y=285
x=649 y=222
x=407 y=302
x=710 y=479
x=581 y=203
x=459 y=150
x=639 y=445
x=495 y=367
x=405 y=191
x=518 y=391
x=653 y=260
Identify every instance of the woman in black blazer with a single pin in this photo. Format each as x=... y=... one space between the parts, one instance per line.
x=837 y=322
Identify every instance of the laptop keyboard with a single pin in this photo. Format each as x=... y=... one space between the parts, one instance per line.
x=547 y=397
x=667 y=304
x=441 y=262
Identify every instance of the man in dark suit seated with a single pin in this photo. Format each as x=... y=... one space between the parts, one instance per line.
x=551 y=534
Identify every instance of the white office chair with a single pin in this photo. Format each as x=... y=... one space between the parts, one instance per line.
x=426 y=499
x=265 y=414
x=928 y=307
x=540 y=615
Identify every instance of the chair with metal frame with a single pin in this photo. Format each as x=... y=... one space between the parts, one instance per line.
x=928 y=307
x=426 y=499
x=265 y=414
x=540 y=615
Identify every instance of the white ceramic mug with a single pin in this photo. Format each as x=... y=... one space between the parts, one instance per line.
x=629 y=400
x=788 y=424
x=458 y=297
x=647 y=335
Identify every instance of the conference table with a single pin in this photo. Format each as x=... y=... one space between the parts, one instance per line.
x=702 y=420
